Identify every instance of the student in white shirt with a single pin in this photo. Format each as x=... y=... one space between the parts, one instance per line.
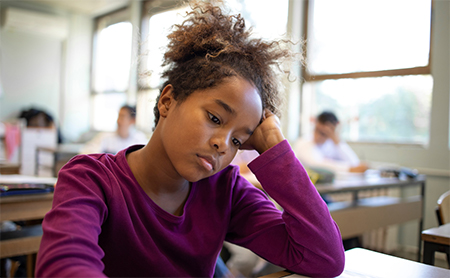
x=125 y=135
x=326 y=150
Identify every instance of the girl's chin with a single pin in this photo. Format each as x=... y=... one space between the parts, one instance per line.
x=196 y=178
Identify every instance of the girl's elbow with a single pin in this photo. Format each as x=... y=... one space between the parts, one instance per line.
x=336 y=265
x=331 y=265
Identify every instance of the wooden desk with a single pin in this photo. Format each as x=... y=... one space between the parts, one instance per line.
x=25 y=207
x=435 y=240
x=365 y=214
x=22 y=208
x=365 y=263
x=9 y=169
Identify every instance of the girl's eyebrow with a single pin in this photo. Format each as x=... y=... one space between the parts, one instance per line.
x=230 y=110
x=225 y=106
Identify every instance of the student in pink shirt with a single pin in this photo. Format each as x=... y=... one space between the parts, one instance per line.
x=164 y=209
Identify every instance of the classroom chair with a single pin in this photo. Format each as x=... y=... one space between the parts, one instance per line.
x=443 y=208
x=443 y=213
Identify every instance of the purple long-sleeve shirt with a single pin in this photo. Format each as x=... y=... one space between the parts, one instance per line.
x=103 y=224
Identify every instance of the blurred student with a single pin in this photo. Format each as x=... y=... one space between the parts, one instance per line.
x=326 y=150
x=125 y=135
x=35 y=117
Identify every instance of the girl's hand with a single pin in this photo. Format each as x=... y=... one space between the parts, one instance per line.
x=266 y=135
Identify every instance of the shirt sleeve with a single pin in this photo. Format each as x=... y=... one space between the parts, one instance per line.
x=303 y=238
x=347 y=154
x=69 y=246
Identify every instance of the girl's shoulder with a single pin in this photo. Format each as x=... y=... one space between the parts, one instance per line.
x=103 y=173
x=88 y=161
x=98 y=165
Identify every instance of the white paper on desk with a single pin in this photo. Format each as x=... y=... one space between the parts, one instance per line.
x=19 y=179
x=345 y=274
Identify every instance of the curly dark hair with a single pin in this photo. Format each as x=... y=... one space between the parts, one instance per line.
x=210 y=46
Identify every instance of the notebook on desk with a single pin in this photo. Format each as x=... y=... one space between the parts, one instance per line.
x=24 y=189
x=22 y=184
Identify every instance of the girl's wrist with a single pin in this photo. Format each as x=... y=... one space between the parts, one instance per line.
x=271 y=141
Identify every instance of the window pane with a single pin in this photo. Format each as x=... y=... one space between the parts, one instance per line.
x=113 y=57
x=106 y=109
x=268 y=21
x=144 y=110
x=159 y=27
x=255 y=12
x=383 y=109
x=360 y=35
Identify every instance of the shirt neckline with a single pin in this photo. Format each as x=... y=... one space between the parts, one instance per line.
x=157 y=209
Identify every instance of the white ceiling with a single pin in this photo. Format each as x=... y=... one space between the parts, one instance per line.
x=90 y=7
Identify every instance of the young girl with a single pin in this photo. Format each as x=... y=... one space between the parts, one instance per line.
x=165 y=209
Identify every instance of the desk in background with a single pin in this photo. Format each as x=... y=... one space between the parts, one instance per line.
x=54 y=158
x=365 y=214
x=9 y=169
x=24 y=208
x=436 y=240
x=365 y=263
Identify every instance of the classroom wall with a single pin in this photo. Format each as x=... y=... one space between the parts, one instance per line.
x=30 y=71
x=75 y=93
x=47 y=72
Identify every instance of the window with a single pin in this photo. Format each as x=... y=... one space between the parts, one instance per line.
x=111 y=68
x=158 y=20
x=368 y=61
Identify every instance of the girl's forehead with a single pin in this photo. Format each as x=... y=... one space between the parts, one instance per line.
x=236 y=97
x=237 y=92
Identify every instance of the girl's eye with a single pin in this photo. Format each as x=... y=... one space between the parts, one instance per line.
x=214 y=118
x=236 y=142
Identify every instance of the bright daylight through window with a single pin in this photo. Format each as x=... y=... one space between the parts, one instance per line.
x=111 y=73
x=368 y=61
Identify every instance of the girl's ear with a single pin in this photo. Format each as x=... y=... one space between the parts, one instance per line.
x=165 y=101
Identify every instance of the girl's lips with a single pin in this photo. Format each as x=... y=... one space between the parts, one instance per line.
x=206 y=163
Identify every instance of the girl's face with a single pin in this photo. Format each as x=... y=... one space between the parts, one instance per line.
x=202 y=134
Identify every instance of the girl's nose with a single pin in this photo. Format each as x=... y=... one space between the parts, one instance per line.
x=220 y=143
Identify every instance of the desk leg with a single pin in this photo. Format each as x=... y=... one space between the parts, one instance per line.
x=31 y=265
x=3 y=268
x=428 y=253
x=429 y=248
x=422 y=193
